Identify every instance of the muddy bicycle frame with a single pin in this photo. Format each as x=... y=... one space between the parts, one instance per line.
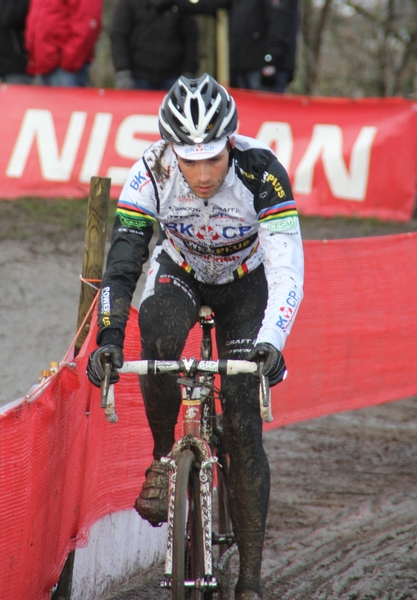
x=198 y=435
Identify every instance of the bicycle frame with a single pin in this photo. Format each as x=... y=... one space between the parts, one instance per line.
x=196 y=379
x=198 y=412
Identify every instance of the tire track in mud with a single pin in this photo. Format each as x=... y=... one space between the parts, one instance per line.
x=40 y=313
x=342 y=522
x=369 y=555
x=343 y=515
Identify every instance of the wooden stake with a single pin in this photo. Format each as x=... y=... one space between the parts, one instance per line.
x=94 y=249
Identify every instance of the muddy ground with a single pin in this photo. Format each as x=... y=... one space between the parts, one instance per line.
x=343 y=513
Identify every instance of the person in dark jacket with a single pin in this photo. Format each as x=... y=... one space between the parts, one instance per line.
x=150 y=48
x=13 y=56
x=262 y=38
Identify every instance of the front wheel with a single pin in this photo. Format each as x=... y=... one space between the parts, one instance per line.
x=187 y=551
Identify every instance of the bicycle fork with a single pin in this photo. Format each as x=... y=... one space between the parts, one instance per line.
x=192 y=406
x=203 y=454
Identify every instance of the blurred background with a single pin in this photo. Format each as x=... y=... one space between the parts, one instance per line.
x=351 y=48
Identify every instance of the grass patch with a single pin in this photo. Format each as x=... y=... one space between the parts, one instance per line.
x=30 y=217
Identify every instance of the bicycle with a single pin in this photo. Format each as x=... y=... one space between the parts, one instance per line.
x=198 y=469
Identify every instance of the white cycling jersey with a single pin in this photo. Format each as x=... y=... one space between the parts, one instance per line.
x=251 y=219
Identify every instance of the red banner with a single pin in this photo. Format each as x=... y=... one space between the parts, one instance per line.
x=345 y=157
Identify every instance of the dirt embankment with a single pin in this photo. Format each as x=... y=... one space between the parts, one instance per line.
x=342 y=522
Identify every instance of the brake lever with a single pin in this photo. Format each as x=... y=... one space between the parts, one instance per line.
x=264 y=394
x=105 y=383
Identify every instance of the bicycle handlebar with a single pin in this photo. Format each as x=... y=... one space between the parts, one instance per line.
x=188 y=367
x=222 y=367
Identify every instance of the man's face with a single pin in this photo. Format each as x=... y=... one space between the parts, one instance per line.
x=206 y=176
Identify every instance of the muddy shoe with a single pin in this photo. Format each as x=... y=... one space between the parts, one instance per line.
x=152 y=503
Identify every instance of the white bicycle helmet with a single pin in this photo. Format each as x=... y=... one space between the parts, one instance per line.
x=197 y=111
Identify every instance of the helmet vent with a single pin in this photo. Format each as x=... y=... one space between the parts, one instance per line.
x=197 y=109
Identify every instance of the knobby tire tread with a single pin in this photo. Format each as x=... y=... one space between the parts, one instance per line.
x=187 y=557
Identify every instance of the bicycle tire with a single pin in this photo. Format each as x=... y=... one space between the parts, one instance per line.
x=224 y=527
x=187 y=551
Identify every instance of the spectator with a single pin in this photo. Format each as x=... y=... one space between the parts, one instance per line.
x=262 y=39
x=13 y=56
x=152 y=49
x=60 y=38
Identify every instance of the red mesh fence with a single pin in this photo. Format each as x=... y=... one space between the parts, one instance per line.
x=63 y=466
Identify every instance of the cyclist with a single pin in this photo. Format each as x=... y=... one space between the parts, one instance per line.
x=229 y=238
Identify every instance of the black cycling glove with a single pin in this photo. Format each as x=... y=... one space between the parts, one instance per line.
x=274 y=366
x=95 y=367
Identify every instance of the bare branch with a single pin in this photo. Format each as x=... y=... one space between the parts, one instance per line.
x=362 y=11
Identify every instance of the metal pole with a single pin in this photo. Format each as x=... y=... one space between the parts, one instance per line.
x=93 y=262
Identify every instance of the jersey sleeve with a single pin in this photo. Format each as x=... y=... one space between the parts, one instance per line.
x=132 y=231
x=280 y=238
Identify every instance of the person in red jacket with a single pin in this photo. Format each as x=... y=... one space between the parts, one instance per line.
x=60 y=38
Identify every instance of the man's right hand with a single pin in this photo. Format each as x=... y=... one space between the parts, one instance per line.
x=95 y=367
x=123 y=80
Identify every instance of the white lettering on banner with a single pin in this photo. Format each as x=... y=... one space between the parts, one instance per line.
x=39 y=125
x=327 y=143
x=278 y=135
x=96 y=146
x=128 y=146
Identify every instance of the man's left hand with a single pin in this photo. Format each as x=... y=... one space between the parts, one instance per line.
x=274 y=364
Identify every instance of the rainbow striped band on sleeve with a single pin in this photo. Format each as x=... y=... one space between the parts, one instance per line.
x=132 y=215
x=278 y=211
